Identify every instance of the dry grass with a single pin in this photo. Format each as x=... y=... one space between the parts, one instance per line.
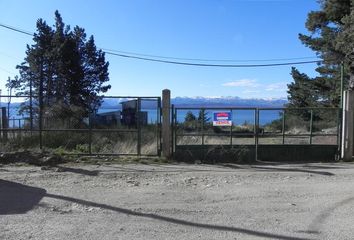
x=222 y=140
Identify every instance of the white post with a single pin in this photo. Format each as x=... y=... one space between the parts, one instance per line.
x=347 y=126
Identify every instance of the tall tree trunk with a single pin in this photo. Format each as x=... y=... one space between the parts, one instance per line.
x=351 y=70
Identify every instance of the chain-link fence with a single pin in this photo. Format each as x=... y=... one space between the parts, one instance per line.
x=118 y=125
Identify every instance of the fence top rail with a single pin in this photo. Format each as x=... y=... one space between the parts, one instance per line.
x=140 y=97
x=255 y=108
x=18 y=96
x=215 y=108
x=36 y=96
x=300 y=108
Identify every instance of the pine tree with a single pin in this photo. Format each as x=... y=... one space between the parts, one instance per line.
x=330 y=30
x=65 y=69
x=203 y=117
x=302 y=90
x=190 y=117
x=345 y=43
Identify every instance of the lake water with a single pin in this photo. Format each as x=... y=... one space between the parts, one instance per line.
x=238 y=116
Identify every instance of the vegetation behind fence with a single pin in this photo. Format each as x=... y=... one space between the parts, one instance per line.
x=118 y=125
x=253 y=129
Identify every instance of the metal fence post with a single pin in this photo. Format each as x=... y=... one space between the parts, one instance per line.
x=341 y=84
x=257 y=130
x=231 y=128
x=19 y=129
x=175 y=129
x=158 y=127
x=41 y=108
x=339 y=129
x=31 y=105
x=90 y=133
x=173 y=125
x=283 y=127
x=138 y=122
x=4 y=121
x=202 y=125
x=255 y=126
x=311 y=125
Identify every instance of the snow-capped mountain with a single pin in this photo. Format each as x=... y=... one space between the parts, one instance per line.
x=228 y=101
x=206 y=102
x=115 y=103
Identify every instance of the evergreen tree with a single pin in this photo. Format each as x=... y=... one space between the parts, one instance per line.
x=345 y=43
x=190 y=117
x=331 y=32
x=203 y=117
x=65 y=69
x=302 y=90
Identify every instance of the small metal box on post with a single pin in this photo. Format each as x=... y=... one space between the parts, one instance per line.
x=166 y=123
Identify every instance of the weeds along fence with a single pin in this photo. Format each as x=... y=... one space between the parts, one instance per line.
x=119 y=125
x=252 y=130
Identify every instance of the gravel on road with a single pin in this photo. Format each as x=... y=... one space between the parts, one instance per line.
x=177 y=201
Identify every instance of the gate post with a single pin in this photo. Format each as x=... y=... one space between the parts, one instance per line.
x=166 y=123
x=347 y=126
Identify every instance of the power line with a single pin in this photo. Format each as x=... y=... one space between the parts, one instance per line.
x=213 y=65
x=9 y=56
x=16 y=29
x=205 y=60
x=153 y=58
x=5 y=70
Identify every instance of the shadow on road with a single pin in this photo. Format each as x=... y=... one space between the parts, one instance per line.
x=226 y=167
x=78 y=171
x=169 y=169
x=17 y=198
x=280 y=169
x=320 y=219
x=174 y=220
x=293 y=170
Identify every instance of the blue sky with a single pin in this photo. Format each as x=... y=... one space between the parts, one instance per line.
x=205 y=29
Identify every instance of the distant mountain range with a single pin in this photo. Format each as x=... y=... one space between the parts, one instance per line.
x=227 y=101
x=114 y=103
x=206 y=102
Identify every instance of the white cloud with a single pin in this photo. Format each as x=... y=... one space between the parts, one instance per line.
x=242 y=83
x=276 y=87
x=251 y=91
x=254 y=87
x=214 y=97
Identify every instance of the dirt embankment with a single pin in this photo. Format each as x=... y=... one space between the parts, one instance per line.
x=31 y=157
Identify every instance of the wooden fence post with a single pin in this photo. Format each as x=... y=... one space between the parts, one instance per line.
x=166 y=124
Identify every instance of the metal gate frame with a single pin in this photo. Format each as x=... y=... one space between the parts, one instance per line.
x=255 y=134
x=5 y=128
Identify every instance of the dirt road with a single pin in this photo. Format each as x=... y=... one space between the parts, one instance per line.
x=177 y=201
